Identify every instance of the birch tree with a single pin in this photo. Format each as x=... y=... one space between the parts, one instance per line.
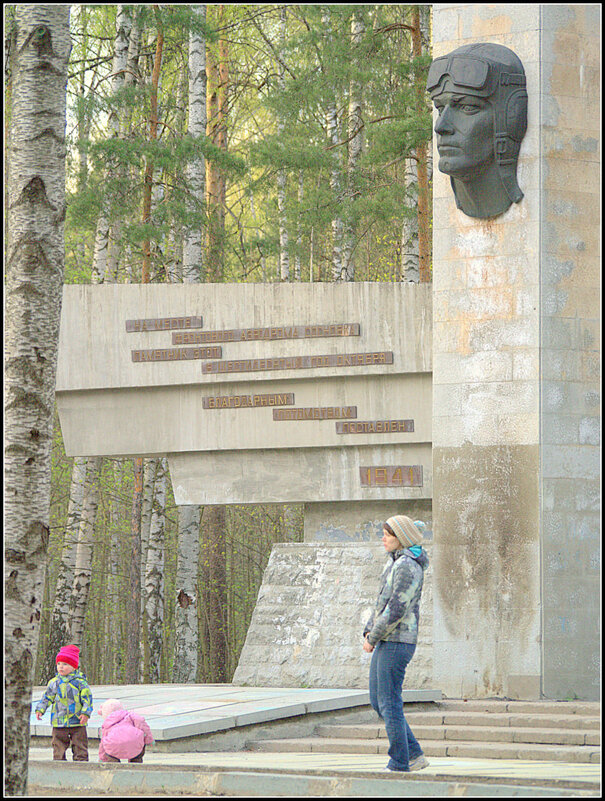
x=284 y=256
x=154 y=574
x=39 y=53
x=186 y=615
x=60 y=617
x=84 y=550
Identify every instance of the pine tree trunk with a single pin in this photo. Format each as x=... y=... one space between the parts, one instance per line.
x=154 y=574
x=355 y=136
x=214 y=582
x=153 y=135
x=424 y=239
x=39 y=53
x=337 y=227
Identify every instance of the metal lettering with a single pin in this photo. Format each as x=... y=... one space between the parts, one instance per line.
x=247 y=401
x=391 y=476
x=298 y=362
x=163 y=324
x=315 y=413
x=175 y=354
x=376 y=427
x=269 y=333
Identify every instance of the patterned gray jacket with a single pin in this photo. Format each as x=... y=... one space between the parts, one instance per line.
x=395 y=615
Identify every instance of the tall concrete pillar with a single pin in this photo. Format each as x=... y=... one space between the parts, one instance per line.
x=516 y=392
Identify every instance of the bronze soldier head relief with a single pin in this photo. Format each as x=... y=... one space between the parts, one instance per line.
x=480 y=96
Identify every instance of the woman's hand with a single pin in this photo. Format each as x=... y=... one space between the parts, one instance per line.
x=366 y=645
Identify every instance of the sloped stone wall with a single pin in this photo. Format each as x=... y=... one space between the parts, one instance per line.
x=306 y=629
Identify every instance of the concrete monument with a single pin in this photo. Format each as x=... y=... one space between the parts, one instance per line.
x=516 y=393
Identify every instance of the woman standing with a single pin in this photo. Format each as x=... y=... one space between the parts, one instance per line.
x=391 y=634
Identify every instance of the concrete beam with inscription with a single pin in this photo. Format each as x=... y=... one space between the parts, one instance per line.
x=199 y=372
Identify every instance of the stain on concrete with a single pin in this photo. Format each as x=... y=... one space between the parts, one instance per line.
x=486 y=575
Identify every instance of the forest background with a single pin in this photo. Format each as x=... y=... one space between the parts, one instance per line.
x=217 y=143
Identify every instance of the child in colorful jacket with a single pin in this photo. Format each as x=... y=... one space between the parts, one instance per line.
x=124 y=734
x=70 y=700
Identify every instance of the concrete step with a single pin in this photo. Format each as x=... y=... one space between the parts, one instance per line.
x=518 y=719
x=442 y=748
x=487 y=733
x=587 y=708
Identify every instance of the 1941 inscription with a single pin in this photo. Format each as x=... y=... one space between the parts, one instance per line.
x=176 y=354
x=247 y=401
x=299 y=362
x=163 y=323
x=375 y=427
x=269 y=333
x=315 y=413
x=391 y=476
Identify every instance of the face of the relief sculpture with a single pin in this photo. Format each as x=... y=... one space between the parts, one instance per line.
x=480 y=96
x=465 y=132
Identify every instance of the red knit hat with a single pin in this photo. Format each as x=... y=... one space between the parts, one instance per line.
x=69 y=654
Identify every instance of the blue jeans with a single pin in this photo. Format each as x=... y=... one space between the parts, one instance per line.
x=387 y=669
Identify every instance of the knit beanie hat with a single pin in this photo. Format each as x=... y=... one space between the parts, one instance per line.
x=69 y=654
x=109 y=706
x=407 y=532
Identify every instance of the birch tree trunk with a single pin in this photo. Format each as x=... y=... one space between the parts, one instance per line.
x=149 y=471
x=60 y=619
x=39 y=53
x=297 y=258
x=195 y=172
x=133 y=602
x=186 y=614
x=355 y=136
x=154 y=574
x=284 y=256
x=410 y=262
x=84 y=552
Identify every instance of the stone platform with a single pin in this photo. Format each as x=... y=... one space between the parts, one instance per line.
x=183 y=717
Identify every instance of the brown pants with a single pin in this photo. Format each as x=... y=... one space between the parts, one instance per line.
x=64 y=735
x=138 y=758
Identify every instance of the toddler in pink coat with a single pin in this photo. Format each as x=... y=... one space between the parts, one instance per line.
x=124 y=734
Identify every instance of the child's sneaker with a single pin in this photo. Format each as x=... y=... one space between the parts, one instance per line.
x=419 y=763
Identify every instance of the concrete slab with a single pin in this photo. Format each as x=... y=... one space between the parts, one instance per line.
x=176 y=711
x=257 y=774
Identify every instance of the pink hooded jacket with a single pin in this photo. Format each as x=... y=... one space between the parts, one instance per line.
x=123 y=733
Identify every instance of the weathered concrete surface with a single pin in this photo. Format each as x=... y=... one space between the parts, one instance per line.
x=306 y=629
x=121 y=780
x=281 y=475
x=360 y=522
x=516 y=396
x=110 y=405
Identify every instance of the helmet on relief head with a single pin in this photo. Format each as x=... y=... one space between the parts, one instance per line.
x=493 y=72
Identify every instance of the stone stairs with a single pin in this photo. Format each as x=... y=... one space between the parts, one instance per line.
x=562 y=731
